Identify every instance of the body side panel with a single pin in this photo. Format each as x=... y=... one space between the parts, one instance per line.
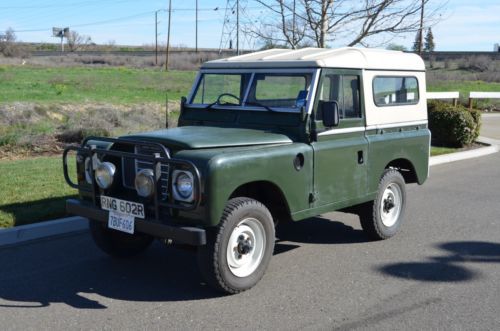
x=227 y=172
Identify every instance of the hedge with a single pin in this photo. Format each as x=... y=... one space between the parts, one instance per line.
x=453 y=126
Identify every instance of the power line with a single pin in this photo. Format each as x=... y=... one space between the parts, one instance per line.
x=93 y=23
x=62 y=4
x=123 y=18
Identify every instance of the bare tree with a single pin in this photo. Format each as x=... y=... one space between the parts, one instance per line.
x=77 y=41
x=351 y=22
x=289 y=31
x=8 y=46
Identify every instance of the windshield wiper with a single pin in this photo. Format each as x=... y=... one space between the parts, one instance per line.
x=210 y=105
x=258 y=104
x=218 y=101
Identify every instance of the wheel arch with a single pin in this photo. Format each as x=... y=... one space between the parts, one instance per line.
x=267 y=193
x=406 y=168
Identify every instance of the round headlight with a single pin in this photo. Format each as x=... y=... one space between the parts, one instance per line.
x=88 y=173
x=104 y=174
x=184 y=185
x=145 y=183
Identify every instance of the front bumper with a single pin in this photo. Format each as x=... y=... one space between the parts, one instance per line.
x=181 y=234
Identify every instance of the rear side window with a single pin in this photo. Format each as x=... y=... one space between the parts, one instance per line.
x=392 y=91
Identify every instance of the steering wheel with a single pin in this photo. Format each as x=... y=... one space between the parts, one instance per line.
x=227 y=95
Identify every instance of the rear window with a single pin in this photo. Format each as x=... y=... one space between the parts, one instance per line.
x=392 y=91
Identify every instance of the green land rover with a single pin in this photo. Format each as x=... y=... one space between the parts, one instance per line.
x=262 y=137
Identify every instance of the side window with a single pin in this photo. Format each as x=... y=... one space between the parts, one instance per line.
x=389 y=91
x=345 y=90
x=350 y=87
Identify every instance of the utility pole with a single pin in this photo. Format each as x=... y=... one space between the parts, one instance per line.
x=168 y=32
x=156 y=37
x=293 y=26
x=238 y=27
x=421 y=31
x=196 y=34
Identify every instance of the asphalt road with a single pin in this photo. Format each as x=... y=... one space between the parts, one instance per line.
x=491 y=126
x=441 y=272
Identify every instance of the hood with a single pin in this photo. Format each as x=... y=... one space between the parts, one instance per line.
x=194 y=137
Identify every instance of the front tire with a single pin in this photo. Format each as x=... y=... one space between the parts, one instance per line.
x=118 y=244
x=382 y=218
x=239 y=249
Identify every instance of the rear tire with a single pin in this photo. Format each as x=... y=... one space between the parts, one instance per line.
x=382 y=218
x=118 y=244
x=239 y=249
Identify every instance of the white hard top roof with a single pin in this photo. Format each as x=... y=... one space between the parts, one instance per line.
x=347 y=57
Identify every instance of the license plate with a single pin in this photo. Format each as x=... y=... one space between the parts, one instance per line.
x=121 y=222
x=123 y=207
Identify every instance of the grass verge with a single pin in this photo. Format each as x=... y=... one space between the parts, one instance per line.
x=435 y=150
x=33 y=190
x=116 y=85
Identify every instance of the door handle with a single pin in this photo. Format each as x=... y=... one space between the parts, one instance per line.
x=361 y=159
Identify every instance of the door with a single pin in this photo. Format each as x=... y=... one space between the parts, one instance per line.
x=340 y=169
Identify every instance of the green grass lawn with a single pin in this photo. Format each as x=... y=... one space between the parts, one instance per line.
x=435 y=151
x=118 y=85
x=33 y=190
x=464 y=87
x=122 y=85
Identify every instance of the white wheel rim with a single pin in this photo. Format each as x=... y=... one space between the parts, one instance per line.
x=245 y=248
x=390 y=205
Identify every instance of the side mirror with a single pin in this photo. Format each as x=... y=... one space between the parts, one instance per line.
x=330 y=113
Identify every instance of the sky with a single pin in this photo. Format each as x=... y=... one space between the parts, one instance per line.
x=464 y=25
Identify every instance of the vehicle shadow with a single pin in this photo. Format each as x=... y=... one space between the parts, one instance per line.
x=450 y=267
x=319 y=230
x=316 y=230
x=78 y=274
x=73 y=271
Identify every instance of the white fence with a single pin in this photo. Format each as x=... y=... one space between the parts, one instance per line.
x=444 y=95
x=482 y=95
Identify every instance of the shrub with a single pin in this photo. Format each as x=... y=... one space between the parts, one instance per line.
x=453 y=126
x=479 y=63
x=77 y=135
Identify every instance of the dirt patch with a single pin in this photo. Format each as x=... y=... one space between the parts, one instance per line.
x=32 y=129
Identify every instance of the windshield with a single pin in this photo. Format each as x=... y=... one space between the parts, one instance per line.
x=272 y=91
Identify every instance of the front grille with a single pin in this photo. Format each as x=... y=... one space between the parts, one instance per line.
x=132 y=166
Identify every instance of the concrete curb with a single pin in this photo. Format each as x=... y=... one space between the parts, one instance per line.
x=24 y=233
x=494 y=147
x=490 y=115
